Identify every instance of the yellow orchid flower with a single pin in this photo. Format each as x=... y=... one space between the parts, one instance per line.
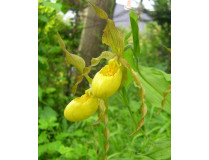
x=107 y=81
x=81 y=108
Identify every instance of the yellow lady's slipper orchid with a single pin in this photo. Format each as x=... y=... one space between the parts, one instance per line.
x=107 y=81
x=81 y=108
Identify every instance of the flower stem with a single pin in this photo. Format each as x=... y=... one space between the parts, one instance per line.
x=125 y=99
x=106 y=130
x=88 y=79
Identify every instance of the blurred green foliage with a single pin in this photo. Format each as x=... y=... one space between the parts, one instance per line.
x=63 y=140
x=153 y=43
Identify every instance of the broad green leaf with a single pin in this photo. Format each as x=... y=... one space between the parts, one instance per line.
x=128 y=55
x=111 y=36
x=155 y=82
x=135 y=33
x=73 y=59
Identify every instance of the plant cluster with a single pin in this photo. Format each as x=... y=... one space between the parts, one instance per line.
x=62 y=139
x=111 y=78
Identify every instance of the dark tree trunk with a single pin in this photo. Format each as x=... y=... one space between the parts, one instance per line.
x=91 y=41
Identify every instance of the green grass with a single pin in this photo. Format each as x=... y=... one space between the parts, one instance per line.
x=76 y=140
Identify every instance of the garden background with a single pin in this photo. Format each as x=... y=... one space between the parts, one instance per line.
x=81 y=30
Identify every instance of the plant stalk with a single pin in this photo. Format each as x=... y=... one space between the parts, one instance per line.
x=125 y=99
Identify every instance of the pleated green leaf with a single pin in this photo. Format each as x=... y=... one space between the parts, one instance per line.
x=156 y=82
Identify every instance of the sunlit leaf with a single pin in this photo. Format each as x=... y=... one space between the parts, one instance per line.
x=73 y=59
x=76 y=61
x=102 y=14
x=111 y=36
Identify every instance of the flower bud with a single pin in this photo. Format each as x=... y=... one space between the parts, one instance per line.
x=81 y=108
x=107 y=81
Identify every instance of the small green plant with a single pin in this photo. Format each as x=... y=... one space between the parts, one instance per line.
x=121 y=70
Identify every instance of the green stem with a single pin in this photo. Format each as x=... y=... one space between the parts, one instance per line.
x=125 y=99
x=88 y=79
